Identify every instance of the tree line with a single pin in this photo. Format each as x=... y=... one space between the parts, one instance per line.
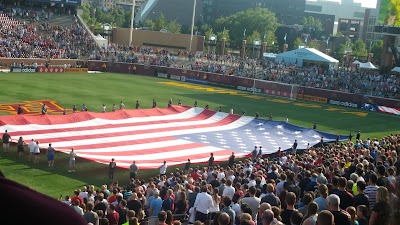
x=252 y=24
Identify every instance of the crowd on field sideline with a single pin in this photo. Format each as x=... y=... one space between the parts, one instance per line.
x=355 y=182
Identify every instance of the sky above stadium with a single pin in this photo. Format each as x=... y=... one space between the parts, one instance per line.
x=364 y=3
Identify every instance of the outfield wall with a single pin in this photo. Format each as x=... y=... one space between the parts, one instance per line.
x=7 y=62
x=246 y=84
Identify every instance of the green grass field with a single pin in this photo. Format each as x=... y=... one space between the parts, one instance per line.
x=96 y=89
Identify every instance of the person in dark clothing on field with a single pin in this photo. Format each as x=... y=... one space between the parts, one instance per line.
x=19 y=110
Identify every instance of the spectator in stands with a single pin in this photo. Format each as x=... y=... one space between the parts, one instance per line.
x=226 y=202
x=346 y=199
x=325 y=217
x=155 y=204
x=296 y=218
x=340 y=216
x=112 y=215
x=90 y=216
x=224 y=219
x=122 y=210
x=75 y=204
x=371 y=190
x=290 y=200
x=268 y=217
x=203 y=204
x=270 y=197
x=228 y=191
x=310 y=218
x=100 y=204
x=361 y=198
x=362 y=214
x=168 y=203
x=321 y=200
x=380 y=213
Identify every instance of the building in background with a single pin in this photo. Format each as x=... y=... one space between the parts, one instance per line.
x=346 y=9
x=371 y=19
x=350 y=27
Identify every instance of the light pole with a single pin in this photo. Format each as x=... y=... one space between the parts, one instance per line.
x=132 y=19
x=191 y=32
x=213 y=42
x=256 y=44
x=106 y=28
x=347 y=52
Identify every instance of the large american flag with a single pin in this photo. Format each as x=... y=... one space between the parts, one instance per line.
x=150 y=136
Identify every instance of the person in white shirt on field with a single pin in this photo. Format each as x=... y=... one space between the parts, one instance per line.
x=202 y=205
x=31 y=146
x=72 y=158
x=36 y=152
x=104 y=108
x=163 y=168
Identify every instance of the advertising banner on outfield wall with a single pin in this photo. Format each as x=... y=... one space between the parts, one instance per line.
x=76 y=70
x=23 y=70
x=312 y=98
x=343 y=103
x=51 y=70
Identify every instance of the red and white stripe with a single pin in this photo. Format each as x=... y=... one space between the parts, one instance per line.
x=389 y=110
x=146 y=136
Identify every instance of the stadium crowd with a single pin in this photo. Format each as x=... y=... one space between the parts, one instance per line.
x=352 y=80
x=349 y=183
x=40 y=39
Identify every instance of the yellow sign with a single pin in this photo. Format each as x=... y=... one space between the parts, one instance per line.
x=312 y=98
x=76 y=70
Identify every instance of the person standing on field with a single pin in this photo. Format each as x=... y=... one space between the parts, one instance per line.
x=133 y=168
x=111 y=168
x=31 y=146
x=20 y=147
x=72 y=157
x=6 y=141
x=36 y=152
x=50 y=155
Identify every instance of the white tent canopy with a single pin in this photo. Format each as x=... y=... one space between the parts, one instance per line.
x=298 y=56
x=101 y=41
x=396 y=69
x=356 y=62
x=367 y=65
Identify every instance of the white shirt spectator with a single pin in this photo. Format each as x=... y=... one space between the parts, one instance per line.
x=279 y=187
x=221 y=175
x=228 y=191
x=284 y=159
x=252 y=183
x=203 y=202
x=163 y=168
x=36 y=149
x=83 y=194
x=192 y=215
x=32 y=145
